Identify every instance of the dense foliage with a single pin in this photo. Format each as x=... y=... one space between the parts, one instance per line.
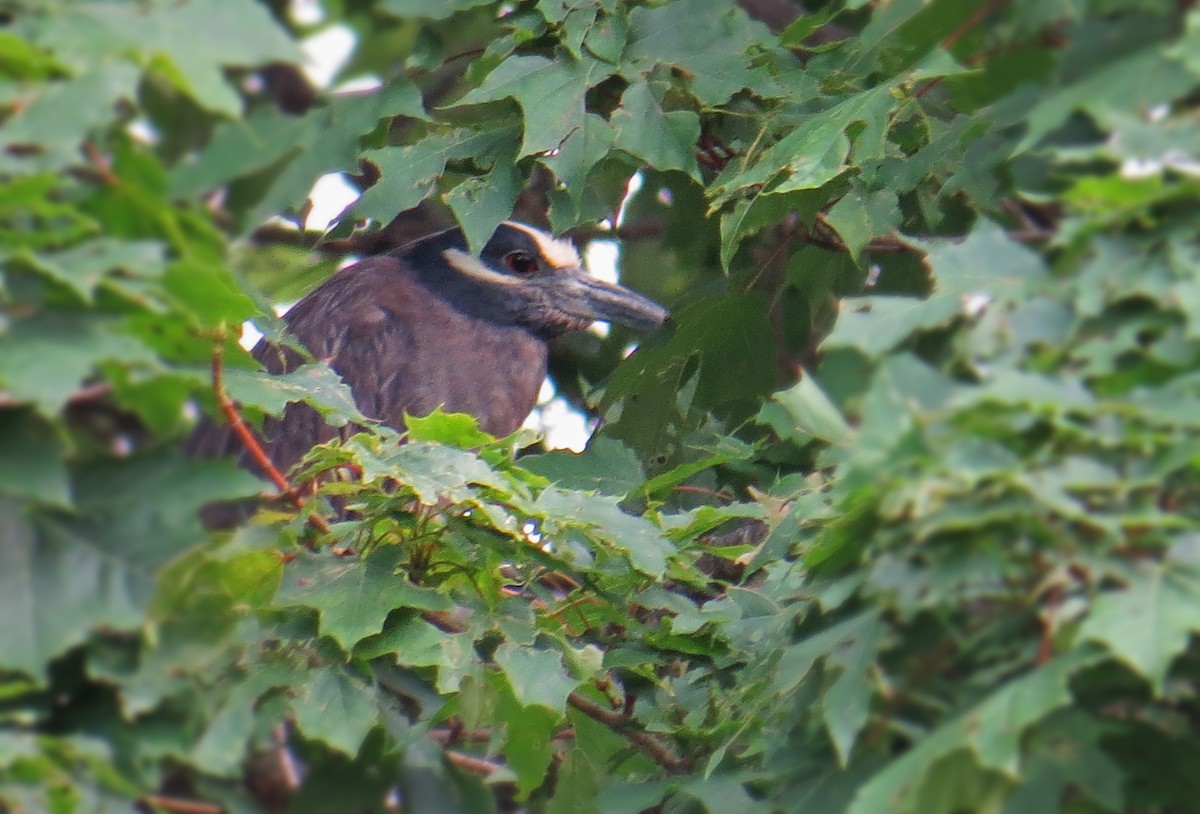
x=899 y=515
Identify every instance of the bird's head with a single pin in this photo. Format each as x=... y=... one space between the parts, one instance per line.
x=536 y=280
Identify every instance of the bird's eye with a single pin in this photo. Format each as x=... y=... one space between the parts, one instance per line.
x=520 y=262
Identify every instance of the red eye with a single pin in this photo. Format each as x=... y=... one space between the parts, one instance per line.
x=520 y=262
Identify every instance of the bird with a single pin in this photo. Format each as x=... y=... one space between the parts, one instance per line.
x=430 y=326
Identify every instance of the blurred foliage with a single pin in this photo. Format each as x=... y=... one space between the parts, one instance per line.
x=899 y=514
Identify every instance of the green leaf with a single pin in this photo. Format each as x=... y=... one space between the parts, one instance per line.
x=293 y=153
x=57 y=588
x=1149 y=622
x=528 y=729
x=982 y=271
x=992 y=730
x=353 y=597
x=537 y=677
x=85 y=266
x=198 y=39
x=316 y=384
x=1146 y=76
x=337 y=708
x=707 y=39
x=32 y=464
x=45 y=358
x=429 y=9
x=1066 y=757
x=811 y=155
x=850 y=651
x=606 y=39
x=729 y=335
x=408 y=176
x=666 y=141
x=437 y=472
x=752 y=215
x=812 y=411
x=550 y=93
x=239 y=148
x=48 y=131
x=456 y=429
x=481 y=203
x=861 y=215
x=64 y=576
x=221 y=750
x=581 y=151
x=332 y=143
x=645 y=545
x=577 y=789
x=606 y=466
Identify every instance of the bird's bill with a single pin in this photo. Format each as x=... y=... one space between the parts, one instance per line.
x=587 y=298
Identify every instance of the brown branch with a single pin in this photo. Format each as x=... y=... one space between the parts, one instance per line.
x=476 y=765
x=236 y=423
x=84 y=395
x=1046 y=645
x=975 y=19
x=449 y=737
x=660 y=752
x=443 y=621
x=178 y=806
x=100 y=164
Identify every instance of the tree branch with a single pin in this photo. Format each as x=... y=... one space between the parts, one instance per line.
x=178 y=806
x=236 y=423
x=657 y=749
x=476 y=765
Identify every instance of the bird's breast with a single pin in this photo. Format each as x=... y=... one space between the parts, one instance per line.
x=492 y=372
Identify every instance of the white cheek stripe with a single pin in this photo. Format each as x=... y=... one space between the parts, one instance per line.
x=558 y=253
x=472 y=267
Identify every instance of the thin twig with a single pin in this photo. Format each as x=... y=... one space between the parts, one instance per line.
x=84 y=395
x=472 y=764
x=236 y=423
x=1046 y=645
x=443 y=621
x=179 y=806
x=975 y=19
x=700 y=490
x=100 y=164
x=659 y=751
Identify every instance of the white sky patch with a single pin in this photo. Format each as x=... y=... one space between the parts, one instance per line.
x=360 y=84
x=974 y=304
x=250 y=332
x=143 y=131
x=631 y=188
x=330 y=196
x=306 y=12
x=250 y=335
x=601 y=258
x=326 y=52
x=1133 y=169
x=561 y=425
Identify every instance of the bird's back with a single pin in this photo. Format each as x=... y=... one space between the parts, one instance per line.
x=402 y=348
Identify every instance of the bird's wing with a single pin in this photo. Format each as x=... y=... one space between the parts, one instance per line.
x=350 y=322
